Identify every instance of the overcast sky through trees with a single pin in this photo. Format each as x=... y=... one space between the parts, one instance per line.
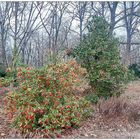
x=31 y=32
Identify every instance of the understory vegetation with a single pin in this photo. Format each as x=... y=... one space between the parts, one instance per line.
x=119 y=107
x=42 y=98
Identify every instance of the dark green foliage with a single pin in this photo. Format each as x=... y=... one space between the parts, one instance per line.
x=92 y=98
x=135 y=68
x=2 y=71
x=99 y=54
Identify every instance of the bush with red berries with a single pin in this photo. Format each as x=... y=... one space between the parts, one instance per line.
x=43 y=99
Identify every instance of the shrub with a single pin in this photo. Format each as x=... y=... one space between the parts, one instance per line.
x=99 y=54
x=135 y=68
x=43 y=99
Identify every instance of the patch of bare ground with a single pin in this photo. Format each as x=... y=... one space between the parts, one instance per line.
x=4 y=124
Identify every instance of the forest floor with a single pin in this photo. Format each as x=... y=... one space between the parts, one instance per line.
x=94 y=127
x=113 y=127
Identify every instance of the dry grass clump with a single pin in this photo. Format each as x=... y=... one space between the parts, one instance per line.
x=119 y=107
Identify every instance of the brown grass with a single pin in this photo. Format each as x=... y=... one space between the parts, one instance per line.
x=119 y=107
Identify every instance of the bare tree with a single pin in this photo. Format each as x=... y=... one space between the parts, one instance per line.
x=4 y=27
x=112 y=7
x=80 y=16
x=131 y=24
x=39 y=29
x=99 y=8
x=52 y=22
x=22 y=31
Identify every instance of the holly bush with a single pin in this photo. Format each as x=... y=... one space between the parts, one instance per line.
x=43 y=99
x=99 y=54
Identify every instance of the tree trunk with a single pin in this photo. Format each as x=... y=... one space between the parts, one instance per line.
x=112 y=8
x=22 y=56
x=128 y=49
x=4 y=60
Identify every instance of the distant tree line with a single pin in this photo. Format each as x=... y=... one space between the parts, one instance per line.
x=31 y=33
